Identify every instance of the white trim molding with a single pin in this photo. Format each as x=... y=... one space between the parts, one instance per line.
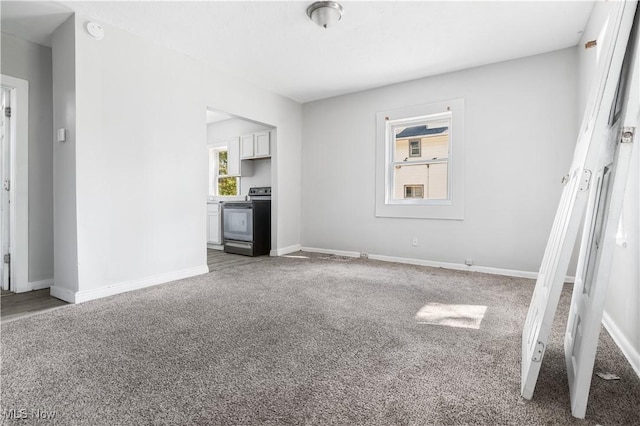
x=434 y=264
x=62 y=294
x=285 y=250
x=39 y=285
x=19 y=195
x=458 y=266
x=111 y=290
x=631 y=353
x=330 y=251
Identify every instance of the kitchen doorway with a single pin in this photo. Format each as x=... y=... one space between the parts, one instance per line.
x=239 y=152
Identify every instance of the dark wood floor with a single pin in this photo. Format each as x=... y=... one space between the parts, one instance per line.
x=218 y=260
x=20 y=305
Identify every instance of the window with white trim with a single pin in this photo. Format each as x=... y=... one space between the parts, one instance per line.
x=220 y=183
x=420 y=161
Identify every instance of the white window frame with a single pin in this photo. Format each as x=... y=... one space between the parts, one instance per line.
x=392 y=163
x=386 y=205
x=411 y=141
x=214 y=152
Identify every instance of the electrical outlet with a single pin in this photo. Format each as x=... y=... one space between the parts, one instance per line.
x=414 y=242
x=468 y=262
x=364 y=255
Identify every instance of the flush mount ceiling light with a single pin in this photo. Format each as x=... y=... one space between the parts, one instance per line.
x=325 y=13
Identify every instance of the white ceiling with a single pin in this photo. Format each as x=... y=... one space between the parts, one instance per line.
x=275 y=46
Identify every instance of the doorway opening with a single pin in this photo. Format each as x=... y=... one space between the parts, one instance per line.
x=14 y=186
x=240 y=152
x=5 y=179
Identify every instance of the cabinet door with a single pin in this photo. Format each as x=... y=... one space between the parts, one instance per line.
x=214 y=233
x=213 y=228
x=233 y=157
x=246 y=146
x=262 y=144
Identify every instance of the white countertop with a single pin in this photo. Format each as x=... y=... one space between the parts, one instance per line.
x=216 y=200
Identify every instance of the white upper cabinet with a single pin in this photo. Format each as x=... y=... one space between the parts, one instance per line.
x=255 y=145
x=247 y=146
x=262 y=144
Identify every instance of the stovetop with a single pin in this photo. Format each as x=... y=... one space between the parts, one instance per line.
x=259 y=193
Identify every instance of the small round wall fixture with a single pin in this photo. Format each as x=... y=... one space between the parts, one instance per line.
x=95 y=30
x=325 y=13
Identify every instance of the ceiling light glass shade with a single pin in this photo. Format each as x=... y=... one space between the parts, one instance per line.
x=325 y=13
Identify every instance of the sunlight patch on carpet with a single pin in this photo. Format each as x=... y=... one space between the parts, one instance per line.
x=463 y=316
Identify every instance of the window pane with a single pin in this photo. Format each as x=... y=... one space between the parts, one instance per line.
x=438 y=188
x=422 y=142
x=222 y=163
x=428 y=181
x=228 y=186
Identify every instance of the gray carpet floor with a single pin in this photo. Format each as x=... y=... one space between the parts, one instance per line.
x=318 y=340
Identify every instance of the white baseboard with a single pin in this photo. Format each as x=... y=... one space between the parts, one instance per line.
x=113 y=289
x=39 y=285
x=63 y=294
x=285 y=250
x=329 y=251
x=215 y=246
x=631 y=353
x=433 y=264
x=458 y=266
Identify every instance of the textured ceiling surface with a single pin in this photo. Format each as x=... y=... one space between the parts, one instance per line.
x=274 y=45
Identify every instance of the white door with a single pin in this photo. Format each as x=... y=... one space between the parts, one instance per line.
x=5 y=174
x=591 y=144
x=599 y=237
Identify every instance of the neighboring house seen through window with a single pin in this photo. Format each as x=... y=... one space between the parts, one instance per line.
x=422 y=162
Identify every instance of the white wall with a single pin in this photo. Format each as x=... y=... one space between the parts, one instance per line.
x=65 y=248
x=232 y=128
x=260 y=176
x=622 y=309
x=520 y=130
x=141 y=172
x=32 y=62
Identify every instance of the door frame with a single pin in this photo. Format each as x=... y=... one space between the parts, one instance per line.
x=19 y=193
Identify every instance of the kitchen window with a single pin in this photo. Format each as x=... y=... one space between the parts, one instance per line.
x=220 y=184
x=420 y=161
